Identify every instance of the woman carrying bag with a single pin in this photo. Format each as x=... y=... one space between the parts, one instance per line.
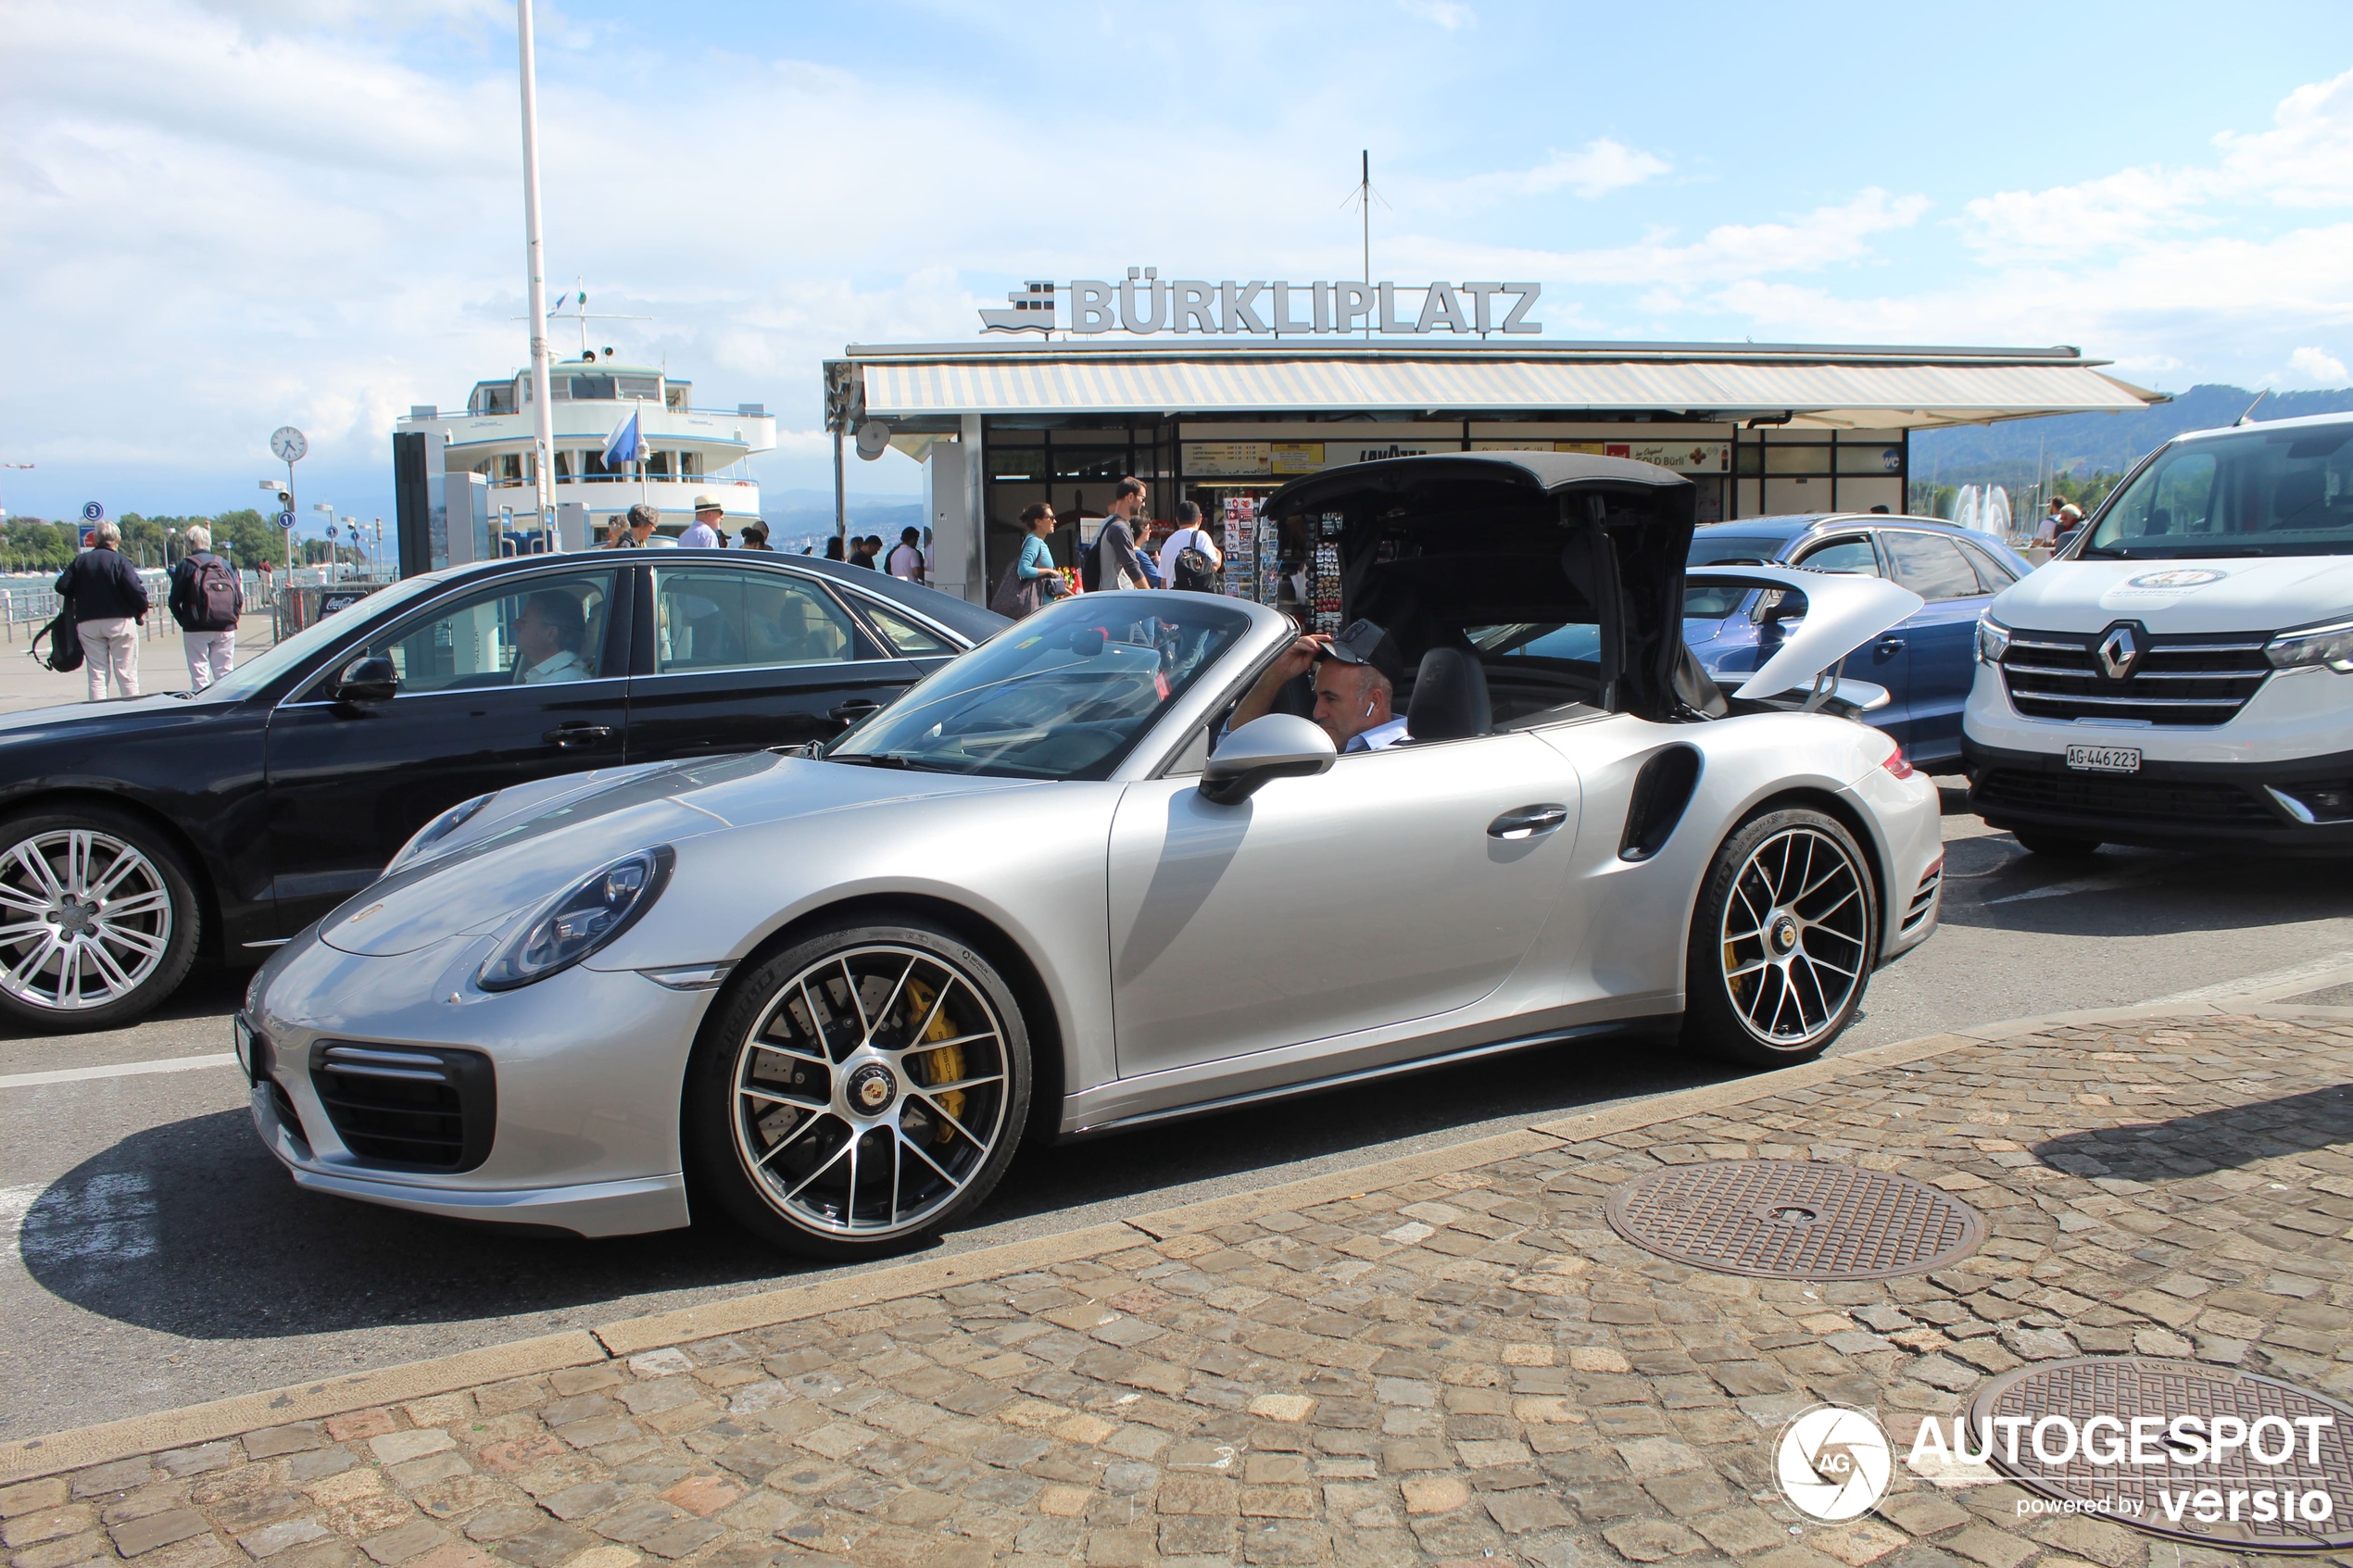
x=1032 y=582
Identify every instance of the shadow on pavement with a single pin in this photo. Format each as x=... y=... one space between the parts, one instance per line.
x=2210 y=1141
x=192 y=1229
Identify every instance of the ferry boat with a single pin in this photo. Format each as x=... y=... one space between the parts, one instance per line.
x=690 y=452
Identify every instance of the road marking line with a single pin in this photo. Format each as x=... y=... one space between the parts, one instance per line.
x=2286 y=982
x=120 y=1069
x=14 y=1202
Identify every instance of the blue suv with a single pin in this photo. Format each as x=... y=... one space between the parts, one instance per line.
x=1927 y=663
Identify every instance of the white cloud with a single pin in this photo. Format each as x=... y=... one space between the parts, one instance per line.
x=2312 y=367
x=2306 y=158
x=1452 y=15
x=1826 y=237
x=1595 y=170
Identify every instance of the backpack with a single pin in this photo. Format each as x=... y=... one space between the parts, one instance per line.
x=65 y=643
x=214 y=597
x=1090 y=566
x=1194 y=573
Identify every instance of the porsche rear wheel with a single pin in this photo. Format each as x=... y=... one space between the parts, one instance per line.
x=863 y=1088
x=1782 y=942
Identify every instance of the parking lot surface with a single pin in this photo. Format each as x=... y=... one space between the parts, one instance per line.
x=162 y=1258
x=1466 y=1361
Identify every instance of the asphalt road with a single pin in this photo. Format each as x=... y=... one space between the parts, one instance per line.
x=163 y=1258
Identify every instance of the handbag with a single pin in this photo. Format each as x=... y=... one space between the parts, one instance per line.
x=1015 y=595
x=65 y=642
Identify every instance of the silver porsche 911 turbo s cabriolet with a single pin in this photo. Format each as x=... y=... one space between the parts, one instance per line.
x=1057 y=887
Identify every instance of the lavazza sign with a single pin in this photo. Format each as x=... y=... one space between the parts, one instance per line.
x=1146 y=303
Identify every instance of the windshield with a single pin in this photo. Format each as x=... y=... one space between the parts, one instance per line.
x=1062 y=695
x=253 y=675
x=2264 y=492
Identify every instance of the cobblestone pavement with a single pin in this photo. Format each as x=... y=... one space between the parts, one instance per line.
x=1470 y=1365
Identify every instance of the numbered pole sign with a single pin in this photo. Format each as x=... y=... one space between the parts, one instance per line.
x=92 y=512
x=286 y=520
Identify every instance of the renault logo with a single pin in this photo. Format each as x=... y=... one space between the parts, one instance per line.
x=2119 y=652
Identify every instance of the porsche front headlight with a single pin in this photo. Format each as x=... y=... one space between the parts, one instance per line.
x=1993 y=640
x=441 y=827
x=2331 y=645
x=580 y=919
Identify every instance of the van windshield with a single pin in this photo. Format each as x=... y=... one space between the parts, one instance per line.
x=2263 y=492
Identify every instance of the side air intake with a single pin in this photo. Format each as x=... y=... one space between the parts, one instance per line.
x=1661 y=791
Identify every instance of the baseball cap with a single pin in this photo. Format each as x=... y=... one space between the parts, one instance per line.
x=1363 y=642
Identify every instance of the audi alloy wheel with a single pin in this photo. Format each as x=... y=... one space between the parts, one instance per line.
x=98 y=919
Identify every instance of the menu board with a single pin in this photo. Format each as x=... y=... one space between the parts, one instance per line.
x=1683 y=456
x=1244 y=459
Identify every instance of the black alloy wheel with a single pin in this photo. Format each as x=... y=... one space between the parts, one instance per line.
x=1782 y=942
x=863 y=1089
x=98 y=919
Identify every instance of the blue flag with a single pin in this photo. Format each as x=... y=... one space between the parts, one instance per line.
x=624 y=444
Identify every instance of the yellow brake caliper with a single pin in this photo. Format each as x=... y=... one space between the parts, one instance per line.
x=942 y=1066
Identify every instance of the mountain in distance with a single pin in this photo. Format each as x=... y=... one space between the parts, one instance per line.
x=2084 y=445
x=800 y=515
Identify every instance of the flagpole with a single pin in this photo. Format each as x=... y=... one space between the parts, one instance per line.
x=543 y=414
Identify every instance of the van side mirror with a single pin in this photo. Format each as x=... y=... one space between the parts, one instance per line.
x=365 y=681
x=1278 y=745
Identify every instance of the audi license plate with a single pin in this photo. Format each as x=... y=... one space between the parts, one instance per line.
x=2104 y=758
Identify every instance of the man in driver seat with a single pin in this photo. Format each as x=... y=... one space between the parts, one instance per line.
x=548 y=637
x=1356 y=676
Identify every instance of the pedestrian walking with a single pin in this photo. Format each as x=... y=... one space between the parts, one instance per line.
x=860 y=554
x=108 y=603
x=906 y=559
x=1190 y=559
x=206 y=599
x=874 y=551
x=755 y=537
x=1115 y=563
x=833 y=550
x=1032 y=582
x=703 y=533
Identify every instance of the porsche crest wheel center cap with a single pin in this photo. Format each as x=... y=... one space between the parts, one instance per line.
x=1784 y=935
x=871 y=1089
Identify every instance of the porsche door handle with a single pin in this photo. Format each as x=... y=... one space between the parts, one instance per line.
x=1527 y=821
x=854 y=710
x=1888 y=645
x=572 y=736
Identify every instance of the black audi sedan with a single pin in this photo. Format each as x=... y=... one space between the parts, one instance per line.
x=137 y=835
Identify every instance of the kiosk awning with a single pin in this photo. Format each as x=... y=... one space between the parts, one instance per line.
x=1830 y=388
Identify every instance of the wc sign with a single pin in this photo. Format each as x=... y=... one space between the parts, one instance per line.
x=1144 y=303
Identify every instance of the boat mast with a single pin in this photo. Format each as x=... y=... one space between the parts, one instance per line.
x=543 y=416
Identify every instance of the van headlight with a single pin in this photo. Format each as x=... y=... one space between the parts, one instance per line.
x=2331 y=645
x=580 y=919
x=1993 y=640
x=441 y=827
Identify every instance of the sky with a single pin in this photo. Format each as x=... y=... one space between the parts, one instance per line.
x=217 y=217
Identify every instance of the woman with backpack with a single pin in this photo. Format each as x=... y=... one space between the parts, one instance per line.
x=206 y=600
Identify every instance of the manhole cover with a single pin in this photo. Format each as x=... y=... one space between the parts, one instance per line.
x=1792 y=1218
x=2281 y=1486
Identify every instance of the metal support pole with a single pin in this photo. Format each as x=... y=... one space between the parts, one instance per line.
x=841 y=502
x=543 y=414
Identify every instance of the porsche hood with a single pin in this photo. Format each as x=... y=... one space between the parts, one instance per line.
x=512 y=858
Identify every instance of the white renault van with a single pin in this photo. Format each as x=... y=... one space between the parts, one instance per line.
x=2181 y=674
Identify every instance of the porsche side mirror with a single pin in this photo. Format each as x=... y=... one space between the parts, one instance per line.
x=367 y=681
x=1278 y=745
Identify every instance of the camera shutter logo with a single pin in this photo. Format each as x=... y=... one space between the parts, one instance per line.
x=1833 y=1463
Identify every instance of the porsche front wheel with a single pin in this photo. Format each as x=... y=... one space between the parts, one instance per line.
x=1782 y=942
x=860 y=1089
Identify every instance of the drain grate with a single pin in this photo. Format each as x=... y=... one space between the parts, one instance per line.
x=1792 y=1218
x=2167 y=1498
